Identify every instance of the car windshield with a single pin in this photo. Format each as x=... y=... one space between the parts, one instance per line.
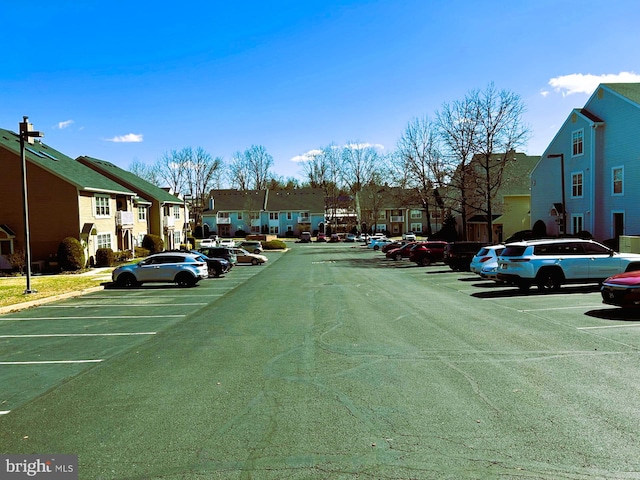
x=513 y=251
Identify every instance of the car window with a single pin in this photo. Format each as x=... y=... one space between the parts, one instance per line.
x=597 y=249
x=514 y=251
x=482 y=252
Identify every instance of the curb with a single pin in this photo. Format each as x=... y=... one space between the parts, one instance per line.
x=34 y=303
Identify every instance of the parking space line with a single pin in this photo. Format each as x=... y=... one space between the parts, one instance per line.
x=101 y=317
x=45 y=335
x=129 y=305
x=51 y=362
x=632 y=325
x=4 y=412
x=558 y=308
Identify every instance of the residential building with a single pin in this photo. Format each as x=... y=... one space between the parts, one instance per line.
x=275 y=212
x=65 y=199
x=395 y=210
x=586 y=178
x=160 y=212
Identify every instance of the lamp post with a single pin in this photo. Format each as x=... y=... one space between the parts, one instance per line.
x=564 y=203
x=187 y=225
x=27 y=134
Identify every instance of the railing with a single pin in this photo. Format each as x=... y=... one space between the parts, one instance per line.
x=223 y=220
x=397 y=218
x=168 y=221
x=304 y=219
x=124 y=218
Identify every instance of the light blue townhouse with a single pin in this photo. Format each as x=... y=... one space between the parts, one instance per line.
x=588 y=178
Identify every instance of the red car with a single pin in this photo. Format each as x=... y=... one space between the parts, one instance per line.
x=622 y=290
x=426 y=253
x=392 y=245
x=402 y=252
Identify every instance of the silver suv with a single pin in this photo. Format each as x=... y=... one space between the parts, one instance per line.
x=185 y=269
x=552 y=262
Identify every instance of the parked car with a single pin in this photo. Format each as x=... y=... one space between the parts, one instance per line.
x=334 y=238
x=552 y=262
x=219 y=252
x=253 y=246
x=227 y=242
x=217 y=266
x=409 y=237
x=350 y=237
x=486 y=256
x=490 y=271
x=392 y=245
x=321 y=237
x=458 y=255
x=426 y=253
x=622 y=290
x=400 y=252
x=185 y=269
x=245 y=257
x=378 y=242
x=212 y=241
x=305 y=237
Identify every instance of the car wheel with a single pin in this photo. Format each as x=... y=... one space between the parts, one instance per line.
x=256 y=252
x=254 y=261
x=376 y=247
x=127 y=280
x=426 y=261
x=398 y=256
x=548 y=280
x=185 y=280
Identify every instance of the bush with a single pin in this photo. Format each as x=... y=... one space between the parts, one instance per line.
x=274 y=245
x=105 y=257
x=141 y=252
x=17 y=260
x=240 y=233
x=153 y=243
x=71 y=255
x=123 y=255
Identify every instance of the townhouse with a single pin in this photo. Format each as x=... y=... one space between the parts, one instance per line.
x=587 y=178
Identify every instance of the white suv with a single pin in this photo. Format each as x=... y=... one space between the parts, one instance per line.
x=552 y=262
x=185 y=269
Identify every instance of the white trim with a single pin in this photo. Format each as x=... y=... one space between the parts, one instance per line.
x=613 y=193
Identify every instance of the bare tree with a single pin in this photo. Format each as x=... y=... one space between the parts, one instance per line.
x=145 y=171
x=251 y=169
x=419 y=163
x=500 y=132
x=457 y=123
x=360 y=166
x=202 y=174
x=172 y=168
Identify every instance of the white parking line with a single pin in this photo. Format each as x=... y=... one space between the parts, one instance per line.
x=102 y=317
x=45 y=335
x=559 y=308
x=129 y=305
x=629 y=325
x=4 y=412
x=50 y=362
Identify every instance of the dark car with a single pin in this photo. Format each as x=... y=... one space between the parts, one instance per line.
x=220 y=252
x=458 y=255
x=622 y=290
x=217 y=265
x=401 y=252
x=426 y=253
x=392 y=245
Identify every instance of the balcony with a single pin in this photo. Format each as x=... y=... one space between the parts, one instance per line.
x=397 y=218
x=168 y=221
x=124 y=218
x=304 y=219
x=223 y=220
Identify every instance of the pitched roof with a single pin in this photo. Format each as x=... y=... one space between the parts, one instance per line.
x=139 y=185
x=628 y=90
x=303 y=199
x=229 y=200
x=58 y=164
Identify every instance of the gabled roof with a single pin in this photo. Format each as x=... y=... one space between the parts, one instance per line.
x=58 y=164
x=298 y=199
x=630 y=91
x=139 y=185
x=229 y=200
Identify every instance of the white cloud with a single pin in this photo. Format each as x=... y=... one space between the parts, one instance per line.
x=362 y=146
x=581 y=83
x=305 y=157
x=65 y=124
x=128 y=138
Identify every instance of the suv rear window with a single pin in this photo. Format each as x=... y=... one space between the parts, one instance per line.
x=514 y=251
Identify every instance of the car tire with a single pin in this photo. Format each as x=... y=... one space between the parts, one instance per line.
x=548 y=280
x=426 y=261
x=254 y=261
x=185 y=280
x=376 y=247
x=398 y=257
x=127 y=280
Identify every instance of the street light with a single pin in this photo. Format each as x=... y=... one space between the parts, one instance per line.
x=187 y=223
x=564 y=203
x=27 y=134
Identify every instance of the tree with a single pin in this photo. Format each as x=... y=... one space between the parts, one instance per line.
x=419 y=165
x=202 y=174
x=171 y=169
x=251 y=169
x=144 y=171
x=360 y=166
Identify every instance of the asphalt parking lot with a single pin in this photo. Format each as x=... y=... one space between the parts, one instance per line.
x=329 y=362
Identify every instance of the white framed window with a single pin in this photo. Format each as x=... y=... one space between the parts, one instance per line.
x=102 y=205
x=289 y=228
x=103 y=240
x=577 y=185
x=273 y=215
x=239 y=215
x=577 y=143
x=273 y=229
x=177 y=237
x=255 y=228
x=176 y=211
x=289 y=215
x=416 y=227
x=382 y=215
x=617 y=175
x=416 y=214
x=577 y=222
x=142 y=214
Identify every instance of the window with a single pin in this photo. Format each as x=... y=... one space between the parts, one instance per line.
x=103 y=240
x=618 y=180
x=273 y=229
x=142 y=214
x=176 y=211
x=577 y=223
x=273 y=215
x=103 y=209
x=576 y=185
x=382 y=215
x=577 y=142
x=289 y=216
x=416 y=214
x=239 y=215
x=177 y=237
x=416 y=227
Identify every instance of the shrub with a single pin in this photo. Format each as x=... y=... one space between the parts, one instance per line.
x=17 y=260
x=240 y=233
x=153 y=243
x=274 y=245
x=123 y=255
x=105 y=257
x=71 y=255
x=141 y=252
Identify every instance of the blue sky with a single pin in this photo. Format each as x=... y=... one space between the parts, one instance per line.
x=125 y=81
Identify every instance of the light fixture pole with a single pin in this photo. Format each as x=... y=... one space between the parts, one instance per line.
x=186 y=196
x=27 y=134
x=564 y=203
